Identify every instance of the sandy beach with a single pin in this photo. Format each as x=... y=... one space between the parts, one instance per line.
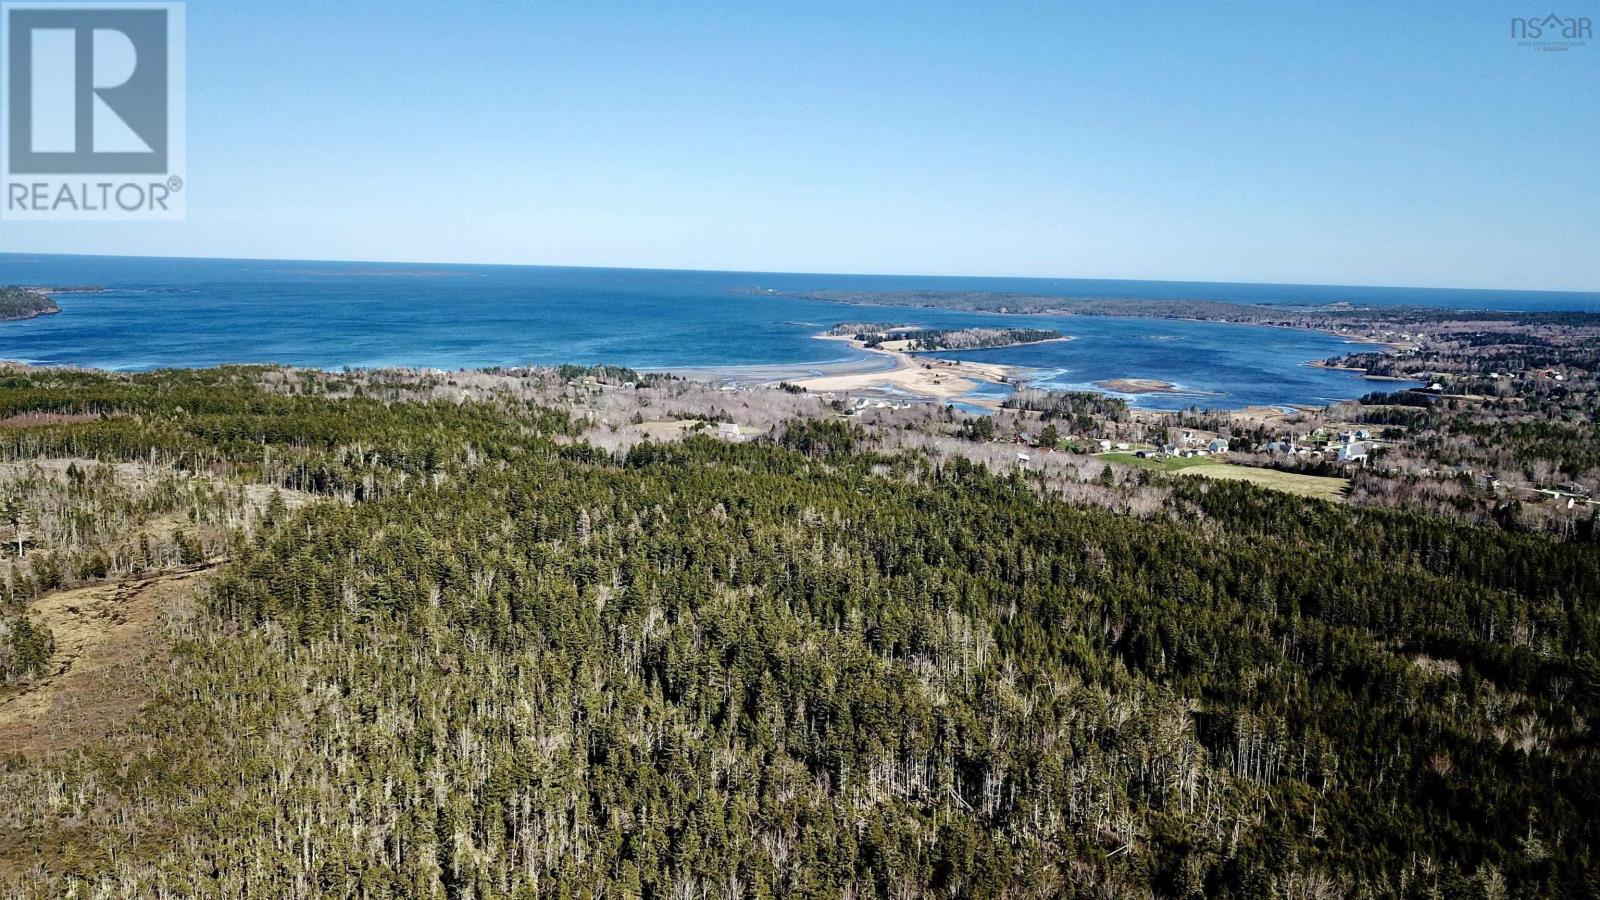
x=924 y=376
x=879 y=372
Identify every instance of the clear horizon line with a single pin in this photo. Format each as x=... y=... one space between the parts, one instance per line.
x=400 y=262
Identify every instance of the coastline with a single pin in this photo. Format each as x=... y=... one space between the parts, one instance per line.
x=1140 y=385
x=897 y=374
x=25 y=303
x=30 y=314
x=1323 y=364
x=1346 y=336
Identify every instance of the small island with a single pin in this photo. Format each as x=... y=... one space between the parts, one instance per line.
x=25 y=303
x=916 y=339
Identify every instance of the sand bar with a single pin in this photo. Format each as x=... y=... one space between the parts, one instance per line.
x=877 y=371
x=1137 y=386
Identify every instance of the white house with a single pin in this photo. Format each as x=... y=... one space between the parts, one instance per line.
x=729 y=431
x=1353 y=452
x=1217 y=445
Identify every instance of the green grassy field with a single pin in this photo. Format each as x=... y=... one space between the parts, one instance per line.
x=1319 y=486
x=1160 y=464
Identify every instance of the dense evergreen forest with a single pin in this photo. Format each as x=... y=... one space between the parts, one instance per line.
x=481 y=657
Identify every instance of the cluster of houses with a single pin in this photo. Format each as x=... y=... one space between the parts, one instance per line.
x=1552 y=374
x=1188 y=445
x=1347 y=446
x=1354 y=445
x=1216 y=446
x=862 y=403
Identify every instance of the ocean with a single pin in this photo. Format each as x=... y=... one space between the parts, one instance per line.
x=157 y=313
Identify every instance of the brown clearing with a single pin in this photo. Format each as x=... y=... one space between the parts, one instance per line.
x=106 y=636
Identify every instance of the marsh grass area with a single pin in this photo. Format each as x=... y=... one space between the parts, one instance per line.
x=1319 y=486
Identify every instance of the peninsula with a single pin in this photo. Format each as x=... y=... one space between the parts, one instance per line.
x=1396 y=326
x=894 y=369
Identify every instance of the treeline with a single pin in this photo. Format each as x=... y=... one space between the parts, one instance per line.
x=1472 y=359
x=613 y=375
x=1082 y=411
x=977 y=338
x=875 y=335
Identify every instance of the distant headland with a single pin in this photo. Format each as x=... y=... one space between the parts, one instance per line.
x=25 y=303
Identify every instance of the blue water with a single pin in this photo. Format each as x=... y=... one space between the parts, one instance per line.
x=1212 y=364
x=190 y=312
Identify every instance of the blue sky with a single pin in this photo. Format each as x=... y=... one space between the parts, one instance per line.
x=1384 y=143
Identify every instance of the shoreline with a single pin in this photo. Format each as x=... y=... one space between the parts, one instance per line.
x=917 y=375
x=24 y=303
x=931 y=378
x=896 y=374
x=31 y=314
x=1357 y=370
x=1346 y=337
